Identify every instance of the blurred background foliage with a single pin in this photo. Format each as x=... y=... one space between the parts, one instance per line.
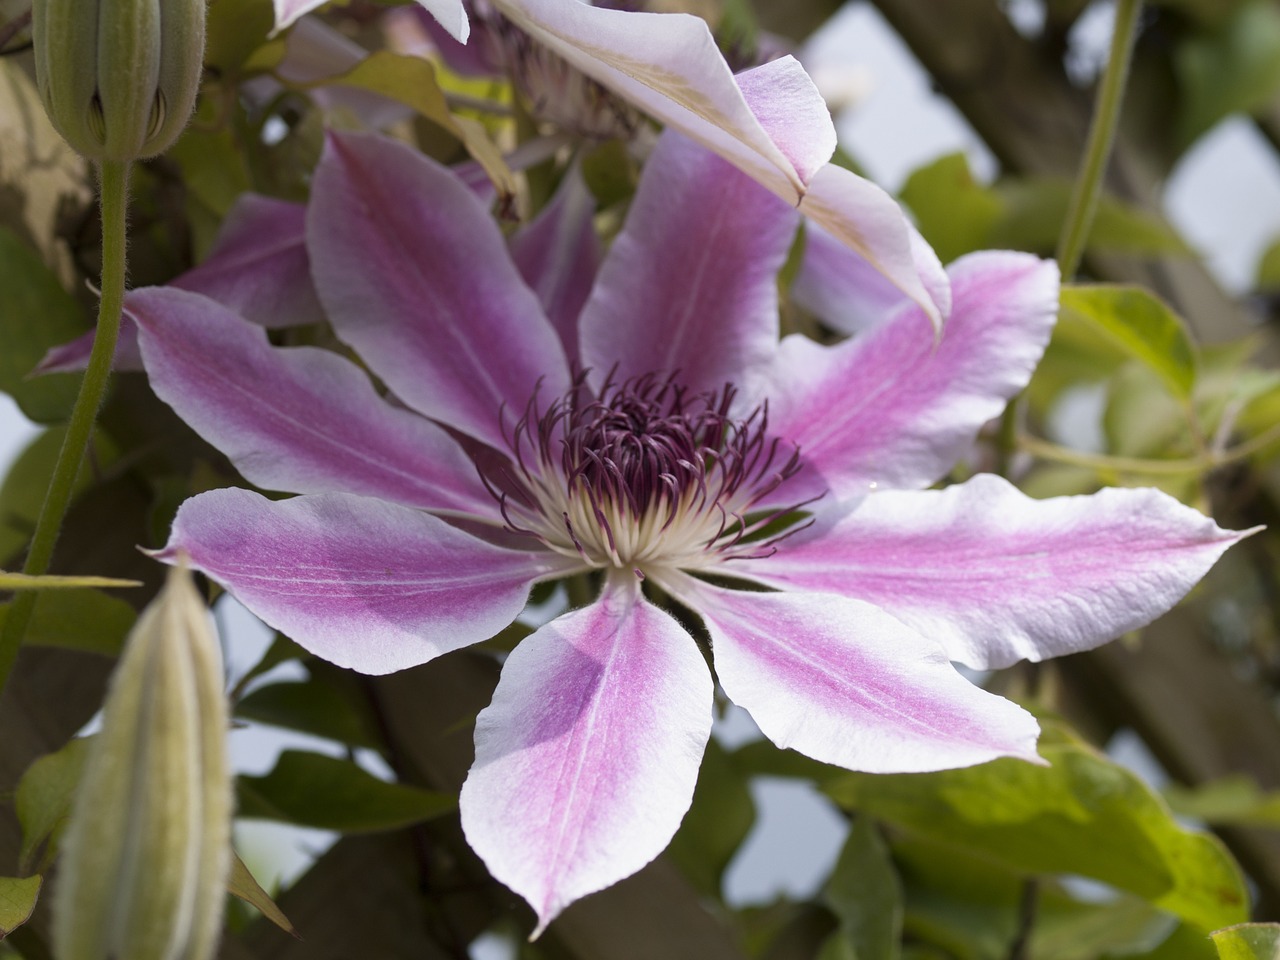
x=1077 y=860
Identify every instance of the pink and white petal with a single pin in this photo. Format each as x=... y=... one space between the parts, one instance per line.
x=368 y=585
x=258 y=265
x=74 y=354
x=994 y=576
x=845 y=683
x=449 y=13
x=894 y=409
x=300 y=419
x=558 y=254
x=869 y=221
x=841 y=288
x=667 y=64
x=690 y=283
x=587 y=757
x=415 y=275
x=787 y=104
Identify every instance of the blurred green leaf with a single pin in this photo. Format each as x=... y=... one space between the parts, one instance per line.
x=79 y=620
x=718 y=820
x=955 y=213
x=1141 y=419
x=958 y=215
x=282 y=650
x=412 y=81
x=241 y=883
x=1082 y=814
x=20 y=581
x=35 y=314
x=22 y=492
x=1248 y=941
x=963 y=903
x=1142 y=325
x=1233 y=69
x=1035 y=208
x=865 y=893
x=234 y=30
x=762 y=758
x=311 y=706
x=313 y=790
x=43 y=797
x=18 y=898
x=1268 y=277
x=1233 y=801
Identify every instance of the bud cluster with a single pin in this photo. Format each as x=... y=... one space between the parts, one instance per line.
x=147 y=850
x=119 y=77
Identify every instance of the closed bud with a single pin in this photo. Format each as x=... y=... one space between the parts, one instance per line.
x=118 y=77
x=147 y=850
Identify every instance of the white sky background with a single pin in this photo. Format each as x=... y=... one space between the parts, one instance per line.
x=1224 y=197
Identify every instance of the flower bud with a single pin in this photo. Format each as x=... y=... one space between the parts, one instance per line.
x=147 y=849
x=118 y=77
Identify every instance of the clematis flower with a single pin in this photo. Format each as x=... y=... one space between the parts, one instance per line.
x=770 y=122
x=773 y=489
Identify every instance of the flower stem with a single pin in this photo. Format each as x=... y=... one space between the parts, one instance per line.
x=114 y=198
x=1204 y=463
x=1102 y=133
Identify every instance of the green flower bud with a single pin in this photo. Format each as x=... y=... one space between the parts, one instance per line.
x=118 y=77
x=147 y=850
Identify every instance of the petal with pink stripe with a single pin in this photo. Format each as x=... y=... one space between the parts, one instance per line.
x=299 y=419
x=362 y=583
x=892 y=407
x=558 y=254
x=258 y=265
x=690 y=284
x=415 y=275
x=845 y=683
x=995 y=577
x=587 y=757
x=449 y=13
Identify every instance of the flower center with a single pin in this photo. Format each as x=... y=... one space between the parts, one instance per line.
x=644 y=474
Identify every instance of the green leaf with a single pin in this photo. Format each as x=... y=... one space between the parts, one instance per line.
x=282 y=650
x=242 y=884
x=1248 y=941
x=412 y=81
x=1234 y=801
x=865 y=893
x=1233 y=69
x=1137 y=321
x=1035 y=208
x=1268 y=278
x=311 y=706
x=23 y=490
x=1082 y=814
x=35 y=314
x=954 y=212
x=718 y=820
x=43 y=797
x=18 y=898
x=313 y=790
x=20 y=581
x=234 y=30
x=79 y=620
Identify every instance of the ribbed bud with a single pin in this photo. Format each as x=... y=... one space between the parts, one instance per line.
x=119 y=77
x=146 y=853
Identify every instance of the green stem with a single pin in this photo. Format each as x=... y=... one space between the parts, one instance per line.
x=1157 y=468
x=114 y=197
x=1102 y=134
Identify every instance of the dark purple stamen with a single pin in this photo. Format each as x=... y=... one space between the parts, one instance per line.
x=647 y=453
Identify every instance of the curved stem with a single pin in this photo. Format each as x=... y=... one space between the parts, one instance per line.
x=114 y=198
x=1102 y=133
x=1155 y=468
